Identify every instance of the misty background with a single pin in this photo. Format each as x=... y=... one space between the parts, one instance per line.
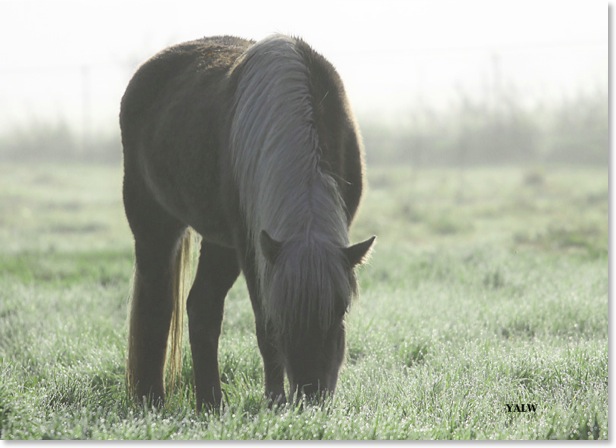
x=432 y=83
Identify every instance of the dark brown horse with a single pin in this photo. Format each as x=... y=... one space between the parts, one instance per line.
x=253 y=146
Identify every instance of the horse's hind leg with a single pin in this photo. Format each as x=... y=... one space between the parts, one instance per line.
x=157 y=235
x=218 y=269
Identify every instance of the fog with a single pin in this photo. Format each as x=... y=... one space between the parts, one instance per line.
x=412 y=69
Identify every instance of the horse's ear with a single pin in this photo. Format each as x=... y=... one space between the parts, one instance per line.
x=270 y=247
x=358 y=253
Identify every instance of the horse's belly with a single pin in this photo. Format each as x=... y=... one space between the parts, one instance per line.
x=213 y=230
x=192 y=195
x=206 y=217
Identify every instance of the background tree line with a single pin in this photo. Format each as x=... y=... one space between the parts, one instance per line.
x=472 y=131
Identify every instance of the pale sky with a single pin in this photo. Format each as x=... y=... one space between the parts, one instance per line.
x=67 y=59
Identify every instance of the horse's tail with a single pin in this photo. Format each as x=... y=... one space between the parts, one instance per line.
x=181 y=283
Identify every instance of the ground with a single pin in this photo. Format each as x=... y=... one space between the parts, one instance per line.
x=486 y=297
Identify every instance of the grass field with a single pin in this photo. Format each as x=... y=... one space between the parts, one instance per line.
x=488 y=288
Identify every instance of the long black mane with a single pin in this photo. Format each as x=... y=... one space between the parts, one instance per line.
x=286 y=188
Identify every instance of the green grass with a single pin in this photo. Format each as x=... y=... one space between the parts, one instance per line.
x=486 y=287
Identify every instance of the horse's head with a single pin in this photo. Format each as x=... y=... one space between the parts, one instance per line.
x=309 y=290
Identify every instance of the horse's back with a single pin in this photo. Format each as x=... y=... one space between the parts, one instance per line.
x=172 y=119
x=175 y=71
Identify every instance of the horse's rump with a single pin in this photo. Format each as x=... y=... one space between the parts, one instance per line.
x=173 y=119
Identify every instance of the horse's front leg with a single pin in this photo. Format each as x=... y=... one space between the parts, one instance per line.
x=272 y=365
x=273 y=368
x=218 y=269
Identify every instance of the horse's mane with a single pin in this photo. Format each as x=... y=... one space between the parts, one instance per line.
x=283 y=187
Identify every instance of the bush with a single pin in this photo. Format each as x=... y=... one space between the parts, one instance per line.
x=579 y=130
x=476 y=132
x=57 y=141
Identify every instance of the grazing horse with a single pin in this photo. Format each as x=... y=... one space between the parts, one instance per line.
x=253 y=146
